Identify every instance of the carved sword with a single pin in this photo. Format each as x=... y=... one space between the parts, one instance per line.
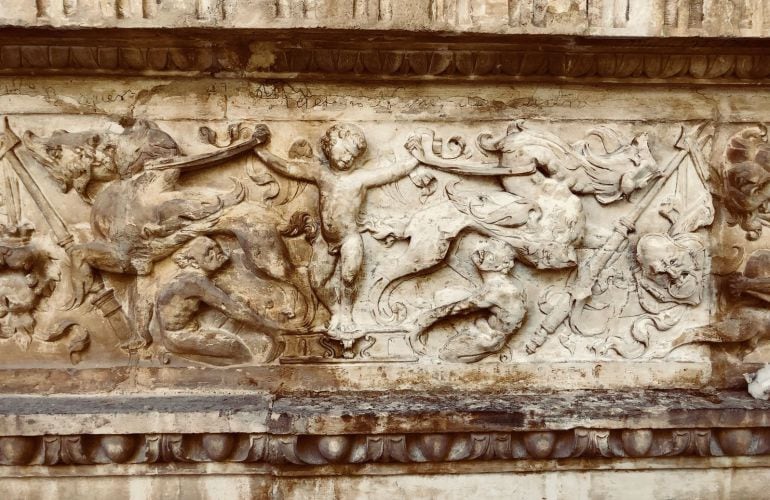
x=104 y=298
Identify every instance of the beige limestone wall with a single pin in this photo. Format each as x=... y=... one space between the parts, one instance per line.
x=388 y=112
x=715 y=483
x=163 y=332
x=621 y=18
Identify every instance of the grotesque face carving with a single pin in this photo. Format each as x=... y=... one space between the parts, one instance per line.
x=26 y=276
x=605 y=164
x=211 y=256
x=747 y=180
x=671 y=268
x=74 y=159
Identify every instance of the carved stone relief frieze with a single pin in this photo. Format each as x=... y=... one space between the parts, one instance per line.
x=362 y=242
x=292 y=233
x=284 y=254
x=381 y=448
x=247 y=243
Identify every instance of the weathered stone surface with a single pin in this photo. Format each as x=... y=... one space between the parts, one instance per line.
x=317 y=55
x=343 y=413
x=190 y=482
x=667 y=18
x=427 y=242
x=358 y=428
x=389 y=322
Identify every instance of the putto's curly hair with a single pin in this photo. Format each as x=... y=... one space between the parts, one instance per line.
x=342 y=131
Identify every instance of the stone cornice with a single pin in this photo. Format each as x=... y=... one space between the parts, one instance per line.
x=364 y=412
x=359 y=428
x=90 y=449
x=347 y=56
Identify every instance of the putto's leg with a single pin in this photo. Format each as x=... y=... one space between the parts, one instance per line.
x=351 y=260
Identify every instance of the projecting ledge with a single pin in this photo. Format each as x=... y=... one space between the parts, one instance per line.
x=378 y=413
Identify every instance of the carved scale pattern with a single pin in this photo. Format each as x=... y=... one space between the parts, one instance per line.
x=394 y=448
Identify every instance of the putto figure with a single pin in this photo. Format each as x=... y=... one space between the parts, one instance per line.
x=501 y=301
x=342 y=192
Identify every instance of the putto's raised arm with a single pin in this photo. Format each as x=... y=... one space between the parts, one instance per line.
x=388 y=173
x=304 y=170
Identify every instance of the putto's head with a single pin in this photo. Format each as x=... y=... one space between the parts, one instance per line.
x=343 y=144
x=201 y=253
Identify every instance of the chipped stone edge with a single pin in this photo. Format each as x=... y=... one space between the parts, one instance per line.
x=333 y=429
